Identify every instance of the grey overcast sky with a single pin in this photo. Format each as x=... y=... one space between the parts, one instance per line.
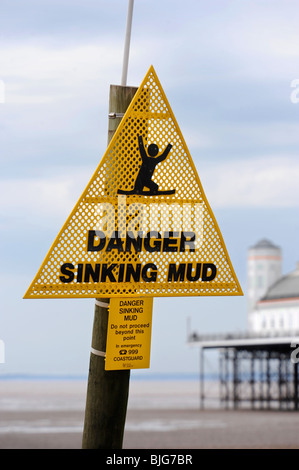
x=229 y=70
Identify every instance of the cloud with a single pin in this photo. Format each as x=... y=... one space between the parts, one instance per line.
x=226 y=68
x=245 y=138
x=254 y=182
x=34 y=73
x=42 y=201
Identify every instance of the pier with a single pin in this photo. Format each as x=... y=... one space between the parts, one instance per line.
x=258 y=372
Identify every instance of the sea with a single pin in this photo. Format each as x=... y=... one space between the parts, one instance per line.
x=51 y=404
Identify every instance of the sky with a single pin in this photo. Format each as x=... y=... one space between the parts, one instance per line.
x=230 y=71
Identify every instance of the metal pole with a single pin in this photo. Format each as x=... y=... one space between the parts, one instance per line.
x=235 y=378
x=295 y=386
x=280 y=380
x=252 y=379
x=268 y=375
x=127 y=43
x=226 y=357
x=261 y=357
x=221 y=380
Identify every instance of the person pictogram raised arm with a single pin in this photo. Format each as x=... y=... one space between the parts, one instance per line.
x=150 y=158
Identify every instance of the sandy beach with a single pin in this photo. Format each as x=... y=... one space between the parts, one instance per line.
x=161 y=415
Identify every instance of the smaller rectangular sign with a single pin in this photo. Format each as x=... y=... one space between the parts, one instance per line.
x=129 y=333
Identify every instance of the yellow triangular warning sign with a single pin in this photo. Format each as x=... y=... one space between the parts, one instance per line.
x=143 y=225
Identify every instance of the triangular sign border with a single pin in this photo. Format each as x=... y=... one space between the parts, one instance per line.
x=152 y=72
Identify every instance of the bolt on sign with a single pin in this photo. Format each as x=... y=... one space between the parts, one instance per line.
x=143 y=225
x=129 y=333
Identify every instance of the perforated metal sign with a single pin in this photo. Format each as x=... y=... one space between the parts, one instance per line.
x=143 y=225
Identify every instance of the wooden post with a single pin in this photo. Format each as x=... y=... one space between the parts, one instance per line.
x=107 y=391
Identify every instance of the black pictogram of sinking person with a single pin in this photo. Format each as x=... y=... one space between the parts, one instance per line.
x=150 y=160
